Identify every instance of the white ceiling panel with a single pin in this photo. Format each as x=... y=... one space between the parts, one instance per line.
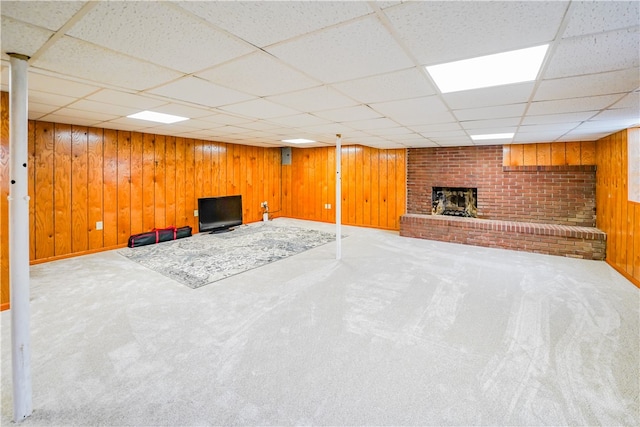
x=257 y=72
x=135 y=29
x=588 y=85
x=125 y=99
x=299 y=120
x=265 y=23
x=249 y=74
x=414 y=111
x=358 y=49
x=490 y=123
x=17 y=37
x=85 y=114
x=487 y=97
x=59 y=86
x=202 y=92
x=410 y=83
x=589 y=17
x=259 y=108
x=315 y=99
x=349 y=114
x=533 y=137
x=442 y=31
x=47 y=14
x=596 y=54
x=558 y=118
x=69 y=56
x=70 y=120
x=588 y=103
x=497 y=112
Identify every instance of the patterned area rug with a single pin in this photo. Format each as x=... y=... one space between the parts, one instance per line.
x=205 y=258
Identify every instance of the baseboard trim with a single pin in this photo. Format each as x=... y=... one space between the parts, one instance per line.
x=5 y=306
x=75 y=254
x=625 y=274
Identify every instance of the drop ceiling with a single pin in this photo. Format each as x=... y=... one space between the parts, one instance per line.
x=259 y=72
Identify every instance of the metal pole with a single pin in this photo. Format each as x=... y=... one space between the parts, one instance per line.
x=338 y=196
x=19 y=238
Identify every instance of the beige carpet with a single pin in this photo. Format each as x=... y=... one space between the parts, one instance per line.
x=399 y=332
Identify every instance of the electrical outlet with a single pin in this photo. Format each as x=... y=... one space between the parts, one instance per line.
x=195 y=212
x=98 y=225
x=327 y=206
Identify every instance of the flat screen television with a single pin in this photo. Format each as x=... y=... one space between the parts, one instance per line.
x=218 y=214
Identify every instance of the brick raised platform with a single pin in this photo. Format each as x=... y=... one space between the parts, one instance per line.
x=564 y=240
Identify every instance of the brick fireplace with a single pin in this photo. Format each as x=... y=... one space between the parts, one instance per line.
x=546 y=209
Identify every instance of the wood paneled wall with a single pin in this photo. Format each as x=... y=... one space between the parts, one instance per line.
x=373 y=185
x=130 y=181
x=616 y=215
x=550 y=154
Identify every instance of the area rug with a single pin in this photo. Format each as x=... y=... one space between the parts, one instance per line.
x=206 y=258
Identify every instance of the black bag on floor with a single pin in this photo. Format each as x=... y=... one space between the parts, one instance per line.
x=158 y=235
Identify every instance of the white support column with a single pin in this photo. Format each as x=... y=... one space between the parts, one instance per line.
x=19 y=239
x=338 y=196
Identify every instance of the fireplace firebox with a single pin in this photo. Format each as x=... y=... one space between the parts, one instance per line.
x=455 y=201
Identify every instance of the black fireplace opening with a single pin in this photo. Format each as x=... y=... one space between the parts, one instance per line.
x=455 y=201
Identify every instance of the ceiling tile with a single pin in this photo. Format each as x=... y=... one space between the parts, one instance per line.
x=394 y=131
x=183 y=110
x=497 y=112
x=629 y=116
x=436 y=127
x=35 y=107
x=410 y=83
x=595 y=54
x=138 y=28
x=572 y=104
x=358 y=49
x=442 y=31
x=124 y=99
x=258 y=74
x=487 y=97
x=549 y=127
x=533 y=137
x=86 y=114
x=349 y=114
x=259 y=109
x=47 y=14
x=18 y=37
x=202 y=92
x=588 y=17
x=414 y=111
x=69 y=119
x=312 y=100
x=632 y=100
x=373 y=124
x=95 y=106
x=581 y=136
x=69 y=56
x=588 y=85
x=59 y=86
x=490 y=123
x=265 y=23
x=299 y=120
x=50 y=98
x=558 y=118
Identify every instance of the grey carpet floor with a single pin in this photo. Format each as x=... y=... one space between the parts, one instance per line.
x=399 y=332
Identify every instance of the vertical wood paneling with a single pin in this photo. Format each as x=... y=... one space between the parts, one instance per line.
x=572 y=151
x=191 y=202
x=95 y=186
x=62 y=189
x=136 y=183
x=160 y=197
x=32 y=188
x=517 y=155
x=148 y=182
x=181 y=212
x=110 y=189
x=617 y=215
x=543 y=154
x=79 y=189
x=44 y=228
x=588 y=153
x=558 y=155
x=170 y=180
x=530 y=154
x=124 y=186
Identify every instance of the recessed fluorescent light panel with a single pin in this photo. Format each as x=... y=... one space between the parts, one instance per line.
x=492 y=136
x=298 y=140
x=504 y=68
x=157 y=117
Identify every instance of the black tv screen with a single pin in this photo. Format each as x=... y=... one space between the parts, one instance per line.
x=219 y=213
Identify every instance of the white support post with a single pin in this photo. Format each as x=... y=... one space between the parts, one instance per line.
x=338 y=196
x=19 y=239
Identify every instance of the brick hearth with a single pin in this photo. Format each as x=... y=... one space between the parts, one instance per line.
x=544 y=209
